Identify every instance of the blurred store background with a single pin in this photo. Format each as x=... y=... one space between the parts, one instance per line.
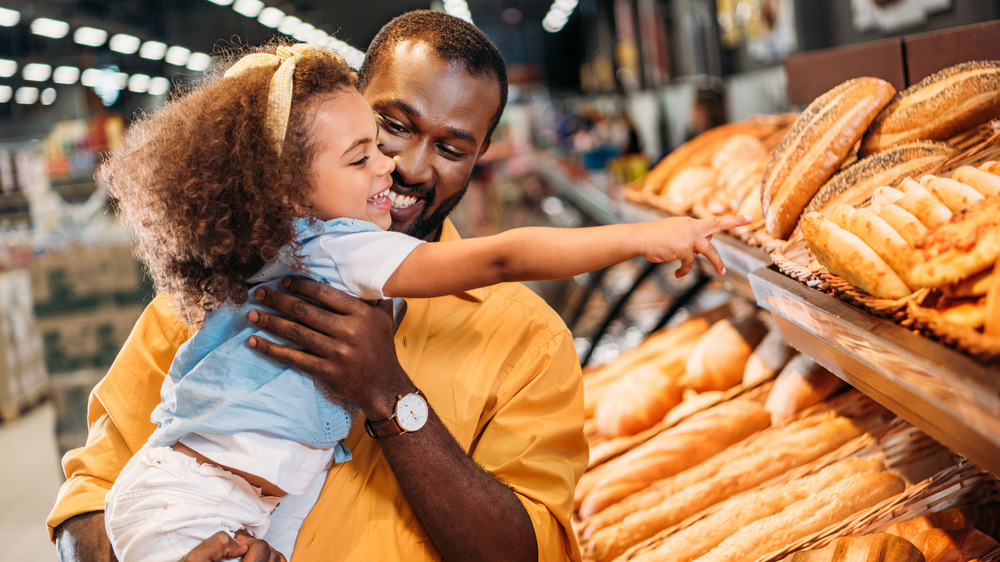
x=601 y=90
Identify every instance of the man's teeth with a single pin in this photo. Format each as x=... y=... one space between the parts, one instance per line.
x=401 y=201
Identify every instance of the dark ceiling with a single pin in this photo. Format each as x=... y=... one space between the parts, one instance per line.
x=202 y=26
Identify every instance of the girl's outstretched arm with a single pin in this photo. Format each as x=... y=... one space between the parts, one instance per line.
x=542 y=253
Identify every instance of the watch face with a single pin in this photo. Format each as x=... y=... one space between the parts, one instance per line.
x=411 y=412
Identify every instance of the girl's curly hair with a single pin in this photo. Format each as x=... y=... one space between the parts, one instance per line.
x=203 y=188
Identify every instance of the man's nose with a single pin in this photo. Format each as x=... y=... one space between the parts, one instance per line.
x=413 y=165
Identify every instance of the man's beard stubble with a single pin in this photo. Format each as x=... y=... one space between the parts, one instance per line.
x=422 y=227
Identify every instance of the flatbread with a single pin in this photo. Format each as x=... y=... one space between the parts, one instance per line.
x=965 y=245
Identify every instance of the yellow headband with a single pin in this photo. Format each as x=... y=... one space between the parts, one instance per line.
x=279 y=95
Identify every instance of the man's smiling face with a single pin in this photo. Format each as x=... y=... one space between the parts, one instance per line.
x=433 y=118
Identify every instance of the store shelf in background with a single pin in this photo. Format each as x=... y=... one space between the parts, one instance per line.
x=927 y=53
x=812 y=73
x=23 y=377
x=948 y=395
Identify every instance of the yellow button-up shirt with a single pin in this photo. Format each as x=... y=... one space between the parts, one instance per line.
x=497 y=365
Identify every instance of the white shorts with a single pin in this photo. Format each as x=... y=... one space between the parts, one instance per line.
x=164 y=503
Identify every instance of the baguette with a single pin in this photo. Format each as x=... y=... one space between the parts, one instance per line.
x=846 y=255
x=770 y=355
x=719 y=358
x=855 y=184
x=938 y=107
x=807 y=516
x=636 y=401
x=815 y=147
x=709 y=483
x=668 y=453
x=729 y=516
x=959 y=248
x=802 y=383
x=876 y=547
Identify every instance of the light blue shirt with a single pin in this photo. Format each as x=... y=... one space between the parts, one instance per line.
x=218 y=384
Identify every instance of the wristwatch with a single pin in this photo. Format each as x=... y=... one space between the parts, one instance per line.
x=409 y=415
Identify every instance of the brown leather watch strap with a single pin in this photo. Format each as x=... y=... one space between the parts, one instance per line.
x=383 y=428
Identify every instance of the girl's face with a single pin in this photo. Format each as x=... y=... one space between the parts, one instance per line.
x=350 y=173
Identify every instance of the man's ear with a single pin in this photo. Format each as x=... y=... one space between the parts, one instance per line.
x=484 y=148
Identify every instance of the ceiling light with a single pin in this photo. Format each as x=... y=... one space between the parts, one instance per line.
x=271 y=17
x=138 y=83
x=36 y=72
x=177 y=56
x=249 y=8
x=6 y=92
x=48 y=96
x=221 y=2
x=26 y=95
x=9 y=18
x=152 y=50
x=46 y=27
x=199 y=62
x=159 y=86
x=65 y=75
x=289 y=25
x=90 y=36
x=303 y=31
x=90 y=77
x=8 y=68
x=124 y=44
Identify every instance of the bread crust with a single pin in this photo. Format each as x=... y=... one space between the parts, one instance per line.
x=938 y=107
x=963 y=246
x=817 y=144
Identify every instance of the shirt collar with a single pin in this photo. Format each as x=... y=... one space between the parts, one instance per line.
x=449 y=232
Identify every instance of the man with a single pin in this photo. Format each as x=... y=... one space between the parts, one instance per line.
x=490 y=473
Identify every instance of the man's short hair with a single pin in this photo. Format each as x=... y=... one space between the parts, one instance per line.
x=453 y=39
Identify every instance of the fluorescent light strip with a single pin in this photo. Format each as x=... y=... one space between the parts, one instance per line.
x=124 y=43
x=54 y=29
x=48 y=96
x=90 y=36
x=271 y=17
x=8 y=68
x=66 y=75
x=558 y=15
x=138 y=83
x=153 y=50
x=177 y=56
x=36 y=72
x=9 y=18
x=248 y=8
x=459 y=9
x=6 y=92
x=199 y=62
x=159 y=86
x=26 y=95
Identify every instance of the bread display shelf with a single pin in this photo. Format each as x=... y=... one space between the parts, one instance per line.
x=945 y=393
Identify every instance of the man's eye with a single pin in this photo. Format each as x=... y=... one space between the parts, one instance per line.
x=392 y=126
x=450 y=153
x=360 y=161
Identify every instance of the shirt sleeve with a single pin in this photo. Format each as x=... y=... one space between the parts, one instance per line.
x=361 y=262
x=535 y=442
x=118 y=412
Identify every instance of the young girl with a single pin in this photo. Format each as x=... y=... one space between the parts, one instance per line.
x=270 y=169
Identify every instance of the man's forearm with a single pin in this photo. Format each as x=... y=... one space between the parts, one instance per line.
x=467 y=512
x=83 y=538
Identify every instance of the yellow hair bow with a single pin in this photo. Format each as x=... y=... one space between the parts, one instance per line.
x=279 y=94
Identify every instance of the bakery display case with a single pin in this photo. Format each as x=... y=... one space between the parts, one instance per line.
x=926 y=406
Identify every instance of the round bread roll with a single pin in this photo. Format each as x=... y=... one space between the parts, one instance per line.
x=903 y=222
x=953 y=545
x=719 y=358
x=956 y=195
x=918 y=200
x=636 y=401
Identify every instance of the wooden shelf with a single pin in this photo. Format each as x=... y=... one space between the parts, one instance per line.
x=948 y=395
